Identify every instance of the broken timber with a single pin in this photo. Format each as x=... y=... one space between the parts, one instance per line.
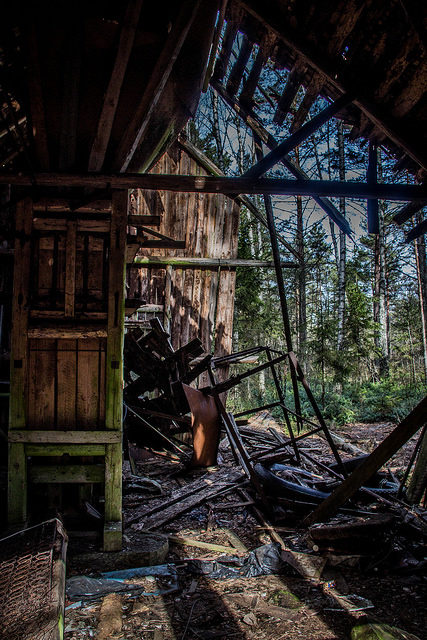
x=388 y=447
x=227 y=186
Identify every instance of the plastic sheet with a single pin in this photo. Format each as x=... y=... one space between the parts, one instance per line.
x=91 y=588
x=264 y=560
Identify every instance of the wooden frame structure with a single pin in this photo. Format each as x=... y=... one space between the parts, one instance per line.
x=67 y=349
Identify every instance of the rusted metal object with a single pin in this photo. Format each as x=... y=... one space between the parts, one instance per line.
x=32 y=582
x=205 y=423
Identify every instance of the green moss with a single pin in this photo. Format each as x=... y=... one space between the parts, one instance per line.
x=284 y=598
x=375 y=631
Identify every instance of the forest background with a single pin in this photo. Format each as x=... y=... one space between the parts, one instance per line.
x=357 y=305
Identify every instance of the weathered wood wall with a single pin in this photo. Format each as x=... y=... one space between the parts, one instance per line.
x=196 y=301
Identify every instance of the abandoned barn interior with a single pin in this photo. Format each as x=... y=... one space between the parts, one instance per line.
x=119 y=250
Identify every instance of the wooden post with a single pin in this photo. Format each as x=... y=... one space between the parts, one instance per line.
x=114 y=373
x=388 y=447
x=70 y=267
x=17 y=481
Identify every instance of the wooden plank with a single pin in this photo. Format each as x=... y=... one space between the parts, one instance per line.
x=87 y=383
x=17 y=472
x=17 y=484
x=238 y=68
x=38 y=117
x=41 y=396
x=68 y=333
x=114 y=368
x=44 y=206
x=215 y=43
x=66 y=373
x=70 y=474
x=271 y=18
x=111 y=98
x=53 y=314
x=70 y=267
x=379 y=456
x=290 y=91
x=68 y=449
x=167 y=314
x=199 y=263
x=176 y=307
x=195 y=305
x=210 y=491
x=250 y=85
x=156 y=84
x=228 y=186
x=20 y=306
x=71 y=65
x=226 y=49
x=200 y=544
x=40 y=436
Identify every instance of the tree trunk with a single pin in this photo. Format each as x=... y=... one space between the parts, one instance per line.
x=382 y=360
x=420 y=260
x=342 y=244
x=301 y=282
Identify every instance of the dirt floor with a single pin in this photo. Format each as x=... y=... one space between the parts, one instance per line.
x=383 y=582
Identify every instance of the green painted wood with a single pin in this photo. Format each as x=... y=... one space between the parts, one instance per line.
x=114 y=364
x=52 y=437
x=69 y=449
x=73 y=473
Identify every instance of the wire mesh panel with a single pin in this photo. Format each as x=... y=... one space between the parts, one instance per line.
x=32 y=580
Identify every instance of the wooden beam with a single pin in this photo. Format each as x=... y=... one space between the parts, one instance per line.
x=73 y=473
x=61 y=449
x=408 y=211
x=228 y=186
x=43 y=436
x=226 y=49
x=297 y=138
x=250 y=84
x=111 y=99
x=388 y=447
x=141 y=261
x=272 y=18
x=70 y=267
x=238 y=68
x=215 y=43
x=114 y=369
x=156 y=84
x=290 y=91
x=37 y=110
x=68 y=333
x=419 y=230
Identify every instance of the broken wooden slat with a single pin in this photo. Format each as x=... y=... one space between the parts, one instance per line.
x=237 y=70
x=174 y=511
x=199 y=544
x=388 y=447
x=289 y=94
x=111 y=99
x=250 y=84
x=156 y=84
x=225 y=185
x=225 y=53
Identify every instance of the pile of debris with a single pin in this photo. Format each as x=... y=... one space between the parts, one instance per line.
x=283 y=472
